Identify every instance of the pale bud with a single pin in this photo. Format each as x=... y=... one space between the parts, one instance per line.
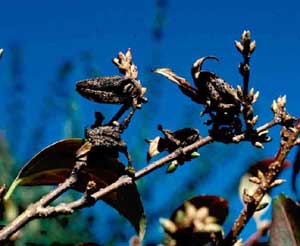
x=274 y=107
x=258 y=145
x=239 y=46
x=195 y=154
x=239 y=91
x=252 y=46
x=255 y=180
x=172 y=167
x=281 y=101
x=277 y=182
x=260 y=175
x=168 y=225
x=261 y=206
x=251 y=92
x=255 y=97
x=255 y=119
x=265 y=132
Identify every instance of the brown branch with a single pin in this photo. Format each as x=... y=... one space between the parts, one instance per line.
x=262 y=128
x=40 y=209
x=288 y=141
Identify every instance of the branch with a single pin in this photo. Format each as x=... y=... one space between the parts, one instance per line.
x=267 y=181
x=246 y=47
x=35 y=210
x=268 y=125
x=40 y=209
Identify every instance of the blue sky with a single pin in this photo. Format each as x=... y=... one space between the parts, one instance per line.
x=50 y=32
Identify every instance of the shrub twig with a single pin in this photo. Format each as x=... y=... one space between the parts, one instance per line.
x=41 y=208
x=267 y=181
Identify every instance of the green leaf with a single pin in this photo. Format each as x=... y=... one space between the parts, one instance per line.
x=54 y=164
x=285 y=228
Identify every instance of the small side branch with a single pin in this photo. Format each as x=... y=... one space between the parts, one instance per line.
x=38 y=209
x=41 y=208
x=288 y=140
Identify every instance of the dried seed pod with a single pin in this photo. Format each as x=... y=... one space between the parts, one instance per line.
x=112 y=90
x=115 y=89
x=211 y=88
x=212 y=91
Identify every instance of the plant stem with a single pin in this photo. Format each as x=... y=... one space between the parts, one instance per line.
x=33 y=210
x=40 y=209
x=269 y=177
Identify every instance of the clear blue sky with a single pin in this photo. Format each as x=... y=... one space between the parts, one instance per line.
x=53 y=31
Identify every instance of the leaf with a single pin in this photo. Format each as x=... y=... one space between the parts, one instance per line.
x=296 y=169
x=54 y=164
x=172 y=141
x=218 y=206
x=185 y=87
x=285 y=227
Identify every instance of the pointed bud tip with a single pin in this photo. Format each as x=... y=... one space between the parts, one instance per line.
x=195 y=154
x=261 y=206
x=172 y=167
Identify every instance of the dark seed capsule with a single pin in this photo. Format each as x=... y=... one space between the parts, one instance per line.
x=111 y=89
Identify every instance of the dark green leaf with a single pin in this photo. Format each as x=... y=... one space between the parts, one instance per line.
x=285 y=228
x=54 y=164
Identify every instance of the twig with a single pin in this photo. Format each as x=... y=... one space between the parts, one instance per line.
x=40 y=209
x=289 y=138
x=35 y=210
x=246 y=48
x=262 y=128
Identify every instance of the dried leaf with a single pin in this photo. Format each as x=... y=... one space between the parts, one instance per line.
x=285 y=227
x=155 y=146
x=185 y=86
x=54 y=164
x=172 y=141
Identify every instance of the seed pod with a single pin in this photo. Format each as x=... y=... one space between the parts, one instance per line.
x=111 y=89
